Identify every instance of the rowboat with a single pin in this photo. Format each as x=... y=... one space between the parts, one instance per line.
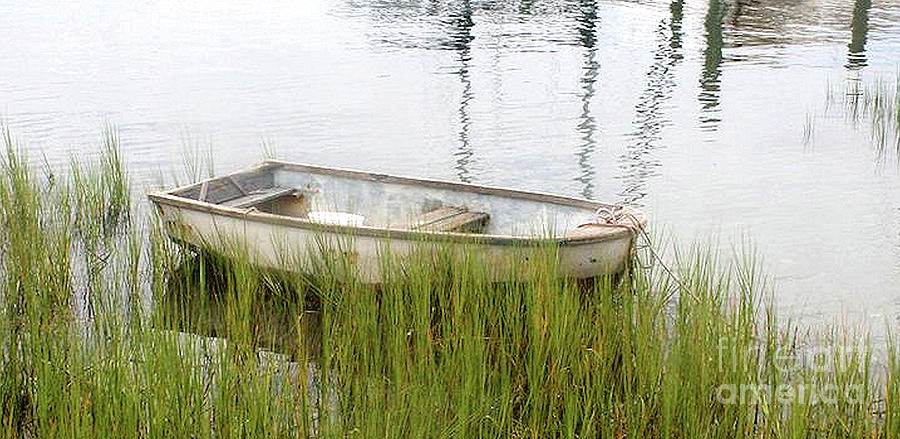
x=277 y=207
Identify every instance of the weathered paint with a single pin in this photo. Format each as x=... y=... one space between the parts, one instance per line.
x=519 y=220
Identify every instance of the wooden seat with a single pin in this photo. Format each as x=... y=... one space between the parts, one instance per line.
x=451 y=219
x=258 y=197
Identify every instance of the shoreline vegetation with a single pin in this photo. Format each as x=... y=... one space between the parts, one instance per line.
x=875 y=102
x=109 y=329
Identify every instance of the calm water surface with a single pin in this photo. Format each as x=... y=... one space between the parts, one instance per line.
x=711 y=115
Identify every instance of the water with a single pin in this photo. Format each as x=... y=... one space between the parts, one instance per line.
x=710 y=115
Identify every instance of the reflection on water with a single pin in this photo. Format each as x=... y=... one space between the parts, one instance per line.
x=287 y=338
x=587 y=126
x=197 y=301
x=638 y=161
x=859 y=28
x=778 y=23
x=712 y=66
x=460 y=26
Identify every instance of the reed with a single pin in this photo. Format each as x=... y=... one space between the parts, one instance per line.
x=875 y=102
x=109 y=329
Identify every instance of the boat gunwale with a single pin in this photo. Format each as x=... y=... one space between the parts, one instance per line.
x=603 y=232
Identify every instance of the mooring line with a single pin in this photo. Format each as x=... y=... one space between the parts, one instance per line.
x=614 y=215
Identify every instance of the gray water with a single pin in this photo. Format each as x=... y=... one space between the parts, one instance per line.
x=710 y=115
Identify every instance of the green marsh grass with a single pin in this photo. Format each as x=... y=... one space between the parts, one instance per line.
x=876 y=102
x=109 y=329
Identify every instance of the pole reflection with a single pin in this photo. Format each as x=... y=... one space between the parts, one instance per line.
x=460 y=25
x=637 y=162
x=587 y=30
x=710 y=86
x=859 y=29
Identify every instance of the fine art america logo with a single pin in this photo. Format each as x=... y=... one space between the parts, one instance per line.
x=816 y=361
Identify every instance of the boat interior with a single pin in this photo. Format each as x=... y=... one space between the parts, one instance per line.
x=343 y=197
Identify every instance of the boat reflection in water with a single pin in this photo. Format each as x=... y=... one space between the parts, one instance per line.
x=207 y=302
x=200 y=299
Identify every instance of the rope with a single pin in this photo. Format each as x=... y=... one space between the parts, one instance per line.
x=615 y=215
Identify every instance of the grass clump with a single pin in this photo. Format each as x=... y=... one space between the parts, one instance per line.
x=877 y=102
x=108 y=329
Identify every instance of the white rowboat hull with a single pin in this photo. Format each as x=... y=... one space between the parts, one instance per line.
x=285 y=241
